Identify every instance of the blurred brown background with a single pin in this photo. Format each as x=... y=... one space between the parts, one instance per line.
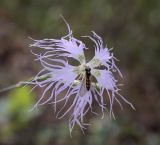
x=131 y=27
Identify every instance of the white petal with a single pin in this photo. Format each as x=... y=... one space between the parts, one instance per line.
x=103 y=56
x=66 y=74
x=107 y=82
x=66 y=46
x=105 y=79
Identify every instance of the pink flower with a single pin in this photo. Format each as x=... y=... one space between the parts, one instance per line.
x=67 y=82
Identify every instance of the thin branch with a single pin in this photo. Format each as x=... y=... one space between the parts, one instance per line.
x=23 y=83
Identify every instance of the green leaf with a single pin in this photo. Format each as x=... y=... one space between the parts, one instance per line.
x=21 y=99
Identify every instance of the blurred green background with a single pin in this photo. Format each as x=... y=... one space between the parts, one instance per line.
x=132 y=27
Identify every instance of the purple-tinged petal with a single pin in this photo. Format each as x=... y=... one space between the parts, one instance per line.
x=108 y=83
